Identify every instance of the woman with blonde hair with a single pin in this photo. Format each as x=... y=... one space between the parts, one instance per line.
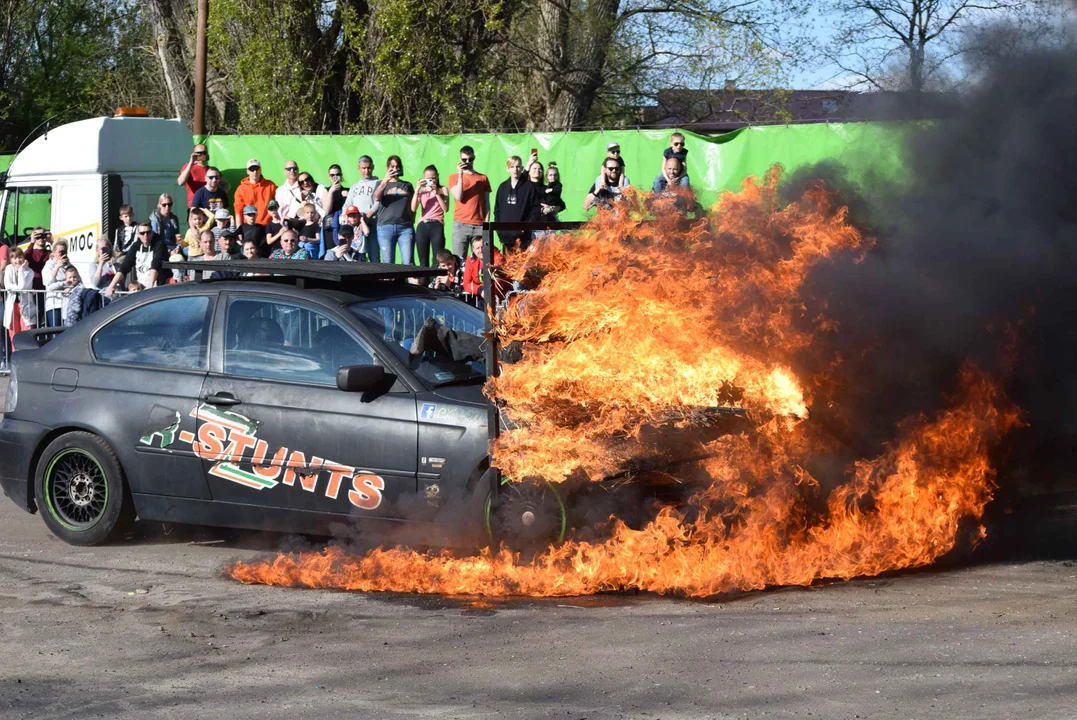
x=165 y=224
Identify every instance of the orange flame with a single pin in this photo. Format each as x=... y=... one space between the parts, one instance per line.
x=638 y=325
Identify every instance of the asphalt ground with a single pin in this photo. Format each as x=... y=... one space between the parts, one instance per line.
x=148 y=628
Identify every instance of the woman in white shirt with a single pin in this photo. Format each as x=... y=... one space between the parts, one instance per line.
x=20 y=308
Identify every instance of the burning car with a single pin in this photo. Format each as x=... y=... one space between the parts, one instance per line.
x=285 y=402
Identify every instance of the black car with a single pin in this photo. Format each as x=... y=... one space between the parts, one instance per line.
x=283 y=403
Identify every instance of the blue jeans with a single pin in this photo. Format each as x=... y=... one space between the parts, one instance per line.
x=389 y=236
x=54 y=318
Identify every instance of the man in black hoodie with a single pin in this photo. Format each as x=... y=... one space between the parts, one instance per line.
x=146 y=258
x=516 y=198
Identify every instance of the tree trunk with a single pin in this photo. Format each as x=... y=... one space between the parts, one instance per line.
x=577 y=48
x=8 y=9
x=916 y=66
x=173 y=57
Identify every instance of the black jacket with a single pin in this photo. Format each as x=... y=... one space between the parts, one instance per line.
x=515 y=204
x=160 y=256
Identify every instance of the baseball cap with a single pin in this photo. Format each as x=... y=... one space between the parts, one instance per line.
x=272 y=205
x=346 y=231
x=221 y=214
x=250 y=210
x=353 y=210
x=613 y=145
x=253 y=163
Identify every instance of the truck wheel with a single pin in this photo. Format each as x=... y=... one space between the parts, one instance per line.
x=530 y=515
x=80 y=489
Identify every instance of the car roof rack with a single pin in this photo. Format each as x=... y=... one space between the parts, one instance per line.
x=301 y=270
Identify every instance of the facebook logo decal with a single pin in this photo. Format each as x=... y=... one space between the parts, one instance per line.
x=428 y=411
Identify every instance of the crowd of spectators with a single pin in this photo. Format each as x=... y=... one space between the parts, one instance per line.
x=375 y=219
x=387 y=218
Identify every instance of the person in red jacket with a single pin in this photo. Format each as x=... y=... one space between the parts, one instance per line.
x=473 y=272
x=254 y=190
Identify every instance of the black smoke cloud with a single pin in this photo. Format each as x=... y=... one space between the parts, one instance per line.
x=975 y=256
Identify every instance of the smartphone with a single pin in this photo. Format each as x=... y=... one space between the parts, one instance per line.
x=534 y=151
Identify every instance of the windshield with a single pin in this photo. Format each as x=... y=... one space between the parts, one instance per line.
x=397 y=320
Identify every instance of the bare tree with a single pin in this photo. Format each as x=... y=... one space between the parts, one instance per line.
x=620 y=52
x=907 y=43
x=171 y=19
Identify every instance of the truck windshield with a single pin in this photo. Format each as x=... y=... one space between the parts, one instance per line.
x=25 y=209
x=398 y=320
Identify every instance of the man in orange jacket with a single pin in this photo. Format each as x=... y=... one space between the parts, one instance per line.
x=254 y=190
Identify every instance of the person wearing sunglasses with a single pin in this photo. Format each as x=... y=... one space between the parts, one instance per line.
x=608 y=190
x=254 y=190
x=212 y=197
x=290 y=195
x=332 y=199
x=289 y=248
x=145 y=260
x=165 y=223
x=678 y=150
x=613 y=153
x=193 y=175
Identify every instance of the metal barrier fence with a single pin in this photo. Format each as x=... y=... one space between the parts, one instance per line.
x=45 y=318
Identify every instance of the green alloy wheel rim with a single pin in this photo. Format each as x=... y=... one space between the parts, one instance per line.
x=544 y=487
x=76 y=490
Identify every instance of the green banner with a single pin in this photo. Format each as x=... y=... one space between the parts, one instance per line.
x=714 y=163
x=5 y=161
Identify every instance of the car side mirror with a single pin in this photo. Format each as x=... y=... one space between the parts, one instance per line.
x=362 y=378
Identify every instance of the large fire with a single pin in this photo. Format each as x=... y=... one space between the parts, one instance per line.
x=639 y=328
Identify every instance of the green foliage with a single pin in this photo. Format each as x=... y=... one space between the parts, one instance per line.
x=423 y=65
x=59 y=51
x=391 y=66
x=259 y=45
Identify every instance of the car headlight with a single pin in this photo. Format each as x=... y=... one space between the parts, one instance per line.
x=12 y=398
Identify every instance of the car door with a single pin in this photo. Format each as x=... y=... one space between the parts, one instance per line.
x=148 y=365
x=276 y=431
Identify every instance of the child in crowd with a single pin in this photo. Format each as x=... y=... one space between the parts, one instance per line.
x=310 y=231
x=74 y=297
x=178 y=276
x=135 y=286
x=251 y=249
x=251 y=229
x=196 y=222
x=677 y=150
x=552 y=191
x=127 y=232
x=274 y=229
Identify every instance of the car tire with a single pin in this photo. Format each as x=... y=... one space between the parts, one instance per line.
x=530 y=516
x=81 y=491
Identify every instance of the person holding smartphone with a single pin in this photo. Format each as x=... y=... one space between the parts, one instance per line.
x=332 y=198
x=192 y=176
x=395 y=216
x=433 y=197
x=471 y=190
x=53 y=275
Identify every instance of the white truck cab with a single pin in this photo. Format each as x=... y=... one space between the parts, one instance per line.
x=73 y=179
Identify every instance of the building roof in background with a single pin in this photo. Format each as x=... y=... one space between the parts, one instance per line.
x=719 y=111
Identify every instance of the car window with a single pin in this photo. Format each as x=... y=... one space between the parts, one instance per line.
x=171 y=333
x=398 y=320
x=278 y=340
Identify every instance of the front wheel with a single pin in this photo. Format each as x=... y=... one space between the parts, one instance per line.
x=529 y=516
x=81 y=491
